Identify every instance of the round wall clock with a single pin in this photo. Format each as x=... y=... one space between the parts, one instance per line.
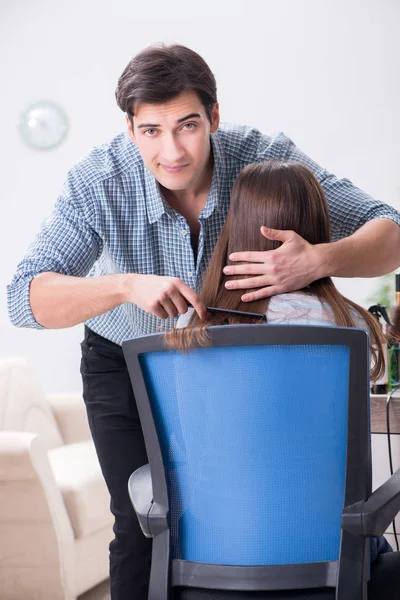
x=43 y=125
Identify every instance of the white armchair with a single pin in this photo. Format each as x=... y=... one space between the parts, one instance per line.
x=55 y=521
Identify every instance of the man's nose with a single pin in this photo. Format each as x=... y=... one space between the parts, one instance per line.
x=173 y=152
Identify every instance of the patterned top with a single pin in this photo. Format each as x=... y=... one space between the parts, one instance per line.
x=111 y=218
x=296 y=308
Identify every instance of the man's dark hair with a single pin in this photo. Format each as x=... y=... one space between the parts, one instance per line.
x=160 y=73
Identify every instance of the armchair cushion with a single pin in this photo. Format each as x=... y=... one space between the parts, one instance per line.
x=70 y=414
x=77 y=472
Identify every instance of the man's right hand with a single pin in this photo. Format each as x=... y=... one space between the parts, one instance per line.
x=164 y=296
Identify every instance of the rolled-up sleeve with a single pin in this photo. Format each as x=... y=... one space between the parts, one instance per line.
x=66 y=244
x=349 y=207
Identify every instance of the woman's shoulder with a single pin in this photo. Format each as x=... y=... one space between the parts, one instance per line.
x=294 y=299
x=358 y=319
x=299 y=308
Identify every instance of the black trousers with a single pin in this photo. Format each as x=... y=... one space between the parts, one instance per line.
x=118 y=438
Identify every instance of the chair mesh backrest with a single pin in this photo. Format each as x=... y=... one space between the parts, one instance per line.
x=253 y=440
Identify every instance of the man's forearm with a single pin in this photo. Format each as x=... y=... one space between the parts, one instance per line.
x=59 y=301
x=371 y=251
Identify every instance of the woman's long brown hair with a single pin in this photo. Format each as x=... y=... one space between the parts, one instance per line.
x=283 y=196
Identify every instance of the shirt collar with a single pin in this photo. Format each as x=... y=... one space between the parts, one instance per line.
x=157 y=206
x=219 y=176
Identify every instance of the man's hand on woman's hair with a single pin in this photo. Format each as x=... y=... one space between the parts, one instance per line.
x=290 y=267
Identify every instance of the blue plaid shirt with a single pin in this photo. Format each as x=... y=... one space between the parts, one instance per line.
x=111 y=218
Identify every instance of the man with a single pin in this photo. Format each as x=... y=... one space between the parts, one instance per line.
x=142 y=214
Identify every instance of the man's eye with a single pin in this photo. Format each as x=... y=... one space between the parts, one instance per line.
x=150 y=132
x=189 y=126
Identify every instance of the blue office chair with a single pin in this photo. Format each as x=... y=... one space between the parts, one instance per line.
x=259 y=475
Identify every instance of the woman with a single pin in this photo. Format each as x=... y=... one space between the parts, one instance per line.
x=283 y=196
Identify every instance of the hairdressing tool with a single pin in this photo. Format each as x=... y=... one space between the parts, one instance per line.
x=397 y=288
x=238 y=313
x=393 y=339
x=379 y=310
x=382 y=385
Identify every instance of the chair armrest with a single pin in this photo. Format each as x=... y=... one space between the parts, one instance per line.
x=16 y=455
x=24 y=461
x=152 y=516
x=36 y=532
x=374 y=516
x=70 y=414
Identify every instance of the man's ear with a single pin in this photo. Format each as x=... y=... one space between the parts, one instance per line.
x=215 y=118
x=129 y=123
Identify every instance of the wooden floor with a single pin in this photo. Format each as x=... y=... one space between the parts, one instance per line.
x=100 y=592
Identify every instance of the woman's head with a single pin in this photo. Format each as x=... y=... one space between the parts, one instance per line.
x=279 y=195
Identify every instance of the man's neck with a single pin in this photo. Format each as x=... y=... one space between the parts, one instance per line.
x=191 y=202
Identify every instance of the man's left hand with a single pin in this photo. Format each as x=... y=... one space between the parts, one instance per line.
x=290 y=267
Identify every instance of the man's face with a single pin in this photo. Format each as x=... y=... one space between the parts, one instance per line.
x=174 y=140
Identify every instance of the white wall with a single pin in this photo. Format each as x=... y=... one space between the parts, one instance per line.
x=323 y=71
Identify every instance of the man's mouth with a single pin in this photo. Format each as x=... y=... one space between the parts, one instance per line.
x=176 y=169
